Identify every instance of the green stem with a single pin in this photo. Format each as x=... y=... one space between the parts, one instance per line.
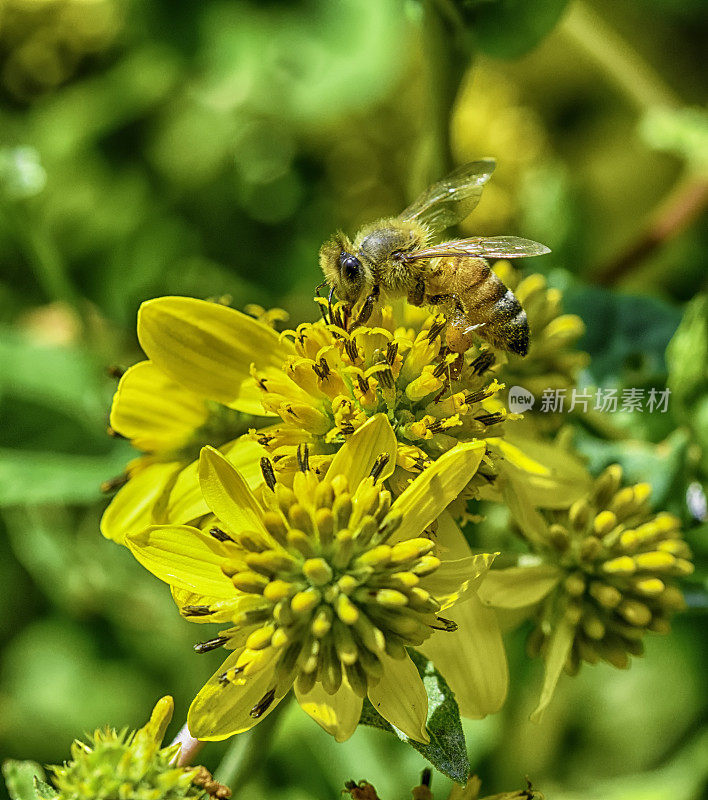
x=446 y=61
x=44 y=259
x=247 y=751
x=617 y=59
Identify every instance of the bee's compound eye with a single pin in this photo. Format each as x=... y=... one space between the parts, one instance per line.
x=350 y=266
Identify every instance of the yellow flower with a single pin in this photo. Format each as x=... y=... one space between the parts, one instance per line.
x=170 y=424
x=171 y=420
x=325 y=584
x=115 y=765
x=325 y=380
x=602 y=574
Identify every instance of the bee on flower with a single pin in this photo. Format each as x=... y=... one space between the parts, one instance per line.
x=324 y=584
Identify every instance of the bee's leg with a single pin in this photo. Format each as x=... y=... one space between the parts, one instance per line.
x=446 y=300
x=417 y=295
x=366 y=308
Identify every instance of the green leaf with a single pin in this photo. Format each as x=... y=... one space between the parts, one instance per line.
x=447 y=750
x=687 y=355
x=509 y=28
x=25 y=781
x=44 y=791
x=34 y=478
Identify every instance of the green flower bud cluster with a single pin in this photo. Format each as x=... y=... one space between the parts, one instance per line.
x=620 y=563
x=122 y=765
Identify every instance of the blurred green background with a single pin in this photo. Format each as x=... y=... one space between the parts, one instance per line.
x=207 y=149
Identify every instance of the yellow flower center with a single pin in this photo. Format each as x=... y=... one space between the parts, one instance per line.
x=324 y=589
x=345 y=372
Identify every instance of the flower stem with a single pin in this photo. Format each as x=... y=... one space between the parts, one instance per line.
x=247 y=752
x=639 y=82
x=191 y=747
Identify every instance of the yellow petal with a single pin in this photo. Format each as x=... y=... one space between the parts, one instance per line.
x=450 y=540
x=472 y=659
x=358 y=455
x=220 y=711
x=183 y=557
x=400 y=697
x=227 y=493
x=436 y=487
x=517 y=587
x=455 y=579
x=132 y=508
x=223 y=609
x=155 y=412
x=521 y=503
x=553 y=477
x=338 y=714
x=555 y=657
x=209 y=348
x=186 y=501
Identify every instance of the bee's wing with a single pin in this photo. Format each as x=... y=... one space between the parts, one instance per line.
x=450 y=200
x=481 y=246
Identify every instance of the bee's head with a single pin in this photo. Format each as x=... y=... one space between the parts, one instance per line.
x=344 y=270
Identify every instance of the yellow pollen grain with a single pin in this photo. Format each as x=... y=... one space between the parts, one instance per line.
x=410 y=550
x=317 y=571
x=650 y=587
x=624 y=565
x=259 y=639
x=376 y=557
x=347 y=584
x=655 y=561
x=322 y=622
x=278 y=590
x=604 y=522
x=346 y=610
x=305 y=601
x=280 y=639
x=391 y=598
x=634 y=612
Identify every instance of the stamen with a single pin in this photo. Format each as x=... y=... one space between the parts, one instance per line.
x=446 y=625
x=490 y=419
x=263 y=704
x=436 y=328
x=219 y=535
x=114 y=483
x=268 y=472
x=211 y=644
x=351 y=349
x=363 y=384
x=196 y=611
x=303 y=457
x=482 y=363
x=379 y=466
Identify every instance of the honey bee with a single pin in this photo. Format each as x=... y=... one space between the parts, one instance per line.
x=394 y=257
